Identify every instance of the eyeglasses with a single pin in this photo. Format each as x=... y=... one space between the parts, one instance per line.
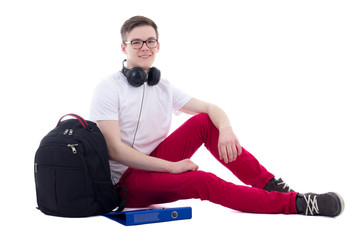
x=137 y=44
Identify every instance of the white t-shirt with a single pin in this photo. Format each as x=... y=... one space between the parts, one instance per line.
x=115 y=99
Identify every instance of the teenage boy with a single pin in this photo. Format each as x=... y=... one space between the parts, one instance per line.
x=133 y=108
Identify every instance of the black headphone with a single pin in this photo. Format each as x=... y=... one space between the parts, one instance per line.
x=137 y=76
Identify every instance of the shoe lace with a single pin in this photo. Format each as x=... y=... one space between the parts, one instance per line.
x=285 y=185
x=311 y=205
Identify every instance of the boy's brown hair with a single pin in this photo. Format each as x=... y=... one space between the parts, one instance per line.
x=136 y=21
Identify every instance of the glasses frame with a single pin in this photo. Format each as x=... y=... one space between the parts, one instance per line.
x=146 y=42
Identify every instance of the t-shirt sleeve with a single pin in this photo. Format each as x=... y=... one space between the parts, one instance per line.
x=180 y=98
x=105 y=102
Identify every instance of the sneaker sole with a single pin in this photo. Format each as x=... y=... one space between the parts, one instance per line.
x=341 y=203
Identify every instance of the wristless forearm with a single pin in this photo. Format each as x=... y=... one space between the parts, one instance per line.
x=219 y=117
x=135 y=159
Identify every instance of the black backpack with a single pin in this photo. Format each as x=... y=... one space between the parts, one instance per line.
x=72 y=173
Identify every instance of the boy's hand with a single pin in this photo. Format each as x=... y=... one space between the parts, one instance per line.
x=183 y=166
x=229 y=146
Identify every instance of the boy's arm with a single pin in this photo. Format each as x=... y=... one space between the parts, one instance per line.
x=135 y=159
x=229 y=146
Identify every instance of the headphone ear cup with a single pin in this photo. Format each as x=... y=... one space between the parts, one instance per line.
x=136 y=77
x=154 y=76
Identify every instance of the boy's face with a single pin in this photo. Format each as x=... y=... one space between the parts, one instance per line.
x=145 y=56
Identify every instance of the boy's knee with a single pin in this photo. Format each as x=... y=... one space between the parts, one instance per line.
x=202 y=117
x=202 y=120
x=202 y=182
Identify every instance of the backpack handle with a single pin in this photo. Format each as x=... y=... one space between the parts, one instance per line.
x=80 y=119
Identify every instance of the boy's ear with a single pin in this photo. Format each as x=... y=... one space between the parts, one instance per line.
x=158 y=47
x=123 y=48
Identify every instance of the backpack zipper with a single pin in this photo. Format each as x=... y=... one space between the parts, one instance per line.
x=72 y=146
x=68 y=132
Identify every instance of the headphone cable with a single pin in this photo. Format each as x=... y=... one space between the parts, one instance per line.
x=138 y=122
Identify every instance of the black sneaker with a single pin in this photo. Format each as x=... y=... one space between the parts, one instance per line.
x=329 y=204
x=277 y=185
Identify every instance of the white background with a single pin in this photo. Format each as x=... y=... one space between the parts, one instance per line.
x=286 y=72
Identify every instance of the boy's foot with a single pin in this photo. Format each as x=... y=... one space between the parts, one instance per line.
x=329 y=204
x=277 y=185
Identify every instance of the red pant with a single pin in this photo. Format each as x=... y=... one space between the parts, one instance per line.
x=145 y=188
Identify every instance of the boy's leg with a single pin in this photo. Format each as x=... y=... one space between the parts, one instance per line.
x=145 y=188
x=198 y=130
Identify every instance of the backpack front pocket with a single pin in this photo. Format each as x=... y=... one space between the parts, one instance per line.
x=62 y=187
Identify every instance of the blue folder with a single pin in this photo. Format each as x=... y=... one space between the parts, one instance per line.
x=144 y=216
